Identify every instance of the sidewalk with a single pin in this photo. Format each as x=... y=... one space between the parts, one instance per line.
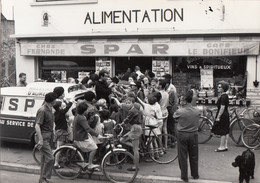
x=213 y=167
x=99 y=176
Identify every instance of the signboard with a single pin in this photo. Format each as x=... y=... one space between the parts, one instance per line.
x=160 y=67
x=206 y=77
x=82 y=75
x=109 y=48
x=104 y=63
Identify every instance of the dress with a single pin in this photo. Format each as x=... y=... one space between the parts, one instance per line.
x=150 y=113
x=221 y=127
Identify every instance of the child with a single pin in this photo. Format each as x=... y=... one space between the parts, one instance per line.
x=134 y=118
x=108 y=123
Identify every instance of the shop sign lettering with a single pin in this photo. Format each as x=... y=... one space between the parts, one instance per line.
x=195 y=49
x=135 y=16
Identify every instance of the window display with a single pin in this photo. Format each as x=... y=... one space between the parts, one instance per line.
x=203 y=73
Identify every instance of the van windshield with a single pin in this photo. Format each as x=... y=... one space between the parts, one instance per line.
x=76 y=88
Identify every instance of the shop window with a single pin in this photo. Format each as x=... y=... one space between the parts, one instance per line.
x=187 y=73
x=65 y=67
x=123 y=63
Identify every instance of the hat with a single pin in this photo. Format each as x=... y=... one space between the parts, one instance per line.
x=59 y=91
x=50 y=97
x=168 y=76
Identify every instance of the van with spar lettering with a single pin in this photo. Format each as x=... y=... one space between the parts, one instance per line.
x=19 y=106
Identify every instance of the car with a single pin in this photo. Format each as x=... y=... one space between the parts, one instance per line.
x=19 y=106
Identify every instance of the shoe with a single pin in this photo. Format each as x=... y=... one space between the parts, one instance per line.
x=196 y=177
x=93 y=166
x=220 y=150
x=148 y=160
x=132 y=169
x=57 y=166
x=185 y=179
x=43 y=180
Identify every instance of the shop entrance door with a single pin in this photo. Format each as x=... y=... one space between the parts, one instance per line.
x=123 y=63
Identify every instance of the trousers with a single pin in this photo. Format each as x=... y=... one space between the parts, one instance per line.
x=188 y=147
x=47 y=158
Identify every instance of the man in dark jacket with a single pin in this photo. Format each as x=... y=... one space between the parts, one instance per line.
x=102 y=90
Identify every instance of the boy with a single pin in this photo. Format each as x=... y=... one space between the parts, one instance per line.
x=134 y=118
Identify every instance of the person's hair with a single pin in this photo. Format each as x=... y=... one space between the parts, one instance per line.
x=57 y=105
x=131 y=99
x=89 y=96
x=151 y=99
x=82 y=107
x=102 y=73
x=224 y=85
x=162 y=83
x=22 y=74
x=189 y=96
x=104 y=114
x=50 y=97
x=131 y=94
x=158 y=96
x=59 y=90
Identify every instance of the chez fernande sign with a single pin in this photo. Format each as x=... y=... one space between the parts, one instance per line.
x=140 y=49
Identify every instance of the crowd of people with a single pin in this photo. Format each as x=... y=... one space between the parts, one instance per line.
x=133 y=100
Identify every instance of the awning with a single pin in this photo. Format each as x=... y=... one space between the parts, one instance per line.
x=136 y=47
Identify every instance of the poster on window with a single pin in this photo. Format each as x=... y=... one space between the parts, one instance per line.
x=104 y=63
x=206 y=78
x=160 y=67
x=82 y=75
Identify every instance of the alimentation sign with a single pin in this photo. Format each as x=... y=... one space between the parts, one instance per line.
x=107 y=48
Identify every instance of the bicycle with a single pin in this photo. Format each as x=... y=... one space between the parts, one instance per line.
x=36 y=152
x=237 y=123
x=251 y=136
x=166 y=149
x=114 y=163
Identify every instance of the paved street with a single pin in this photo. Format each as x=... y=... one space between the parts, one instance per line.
x=212 y=165
x=15 y=177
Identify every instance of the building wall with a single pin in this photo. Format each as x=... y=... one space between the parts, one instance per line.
x=8 y=50
x=148 y=17
x=196 y=15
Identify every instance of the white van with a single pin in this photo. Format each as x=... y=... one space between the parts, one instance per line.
x=20 y=104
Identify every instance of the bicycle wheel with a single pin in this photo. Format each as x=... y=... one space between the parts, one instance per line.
x=204 y=130
x=164 y=149
x=115 y=166
x=69 y=159
x=236 y=128
x=251 y=136
x=36 y=155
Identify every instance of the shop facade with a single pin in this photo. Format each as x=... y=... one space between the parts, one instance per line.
x=198 y=42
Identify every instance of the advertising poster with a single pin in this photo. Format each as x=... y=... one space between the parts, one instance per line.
x=206 y=78
x=160 y=67
x=82 y=75
x=104 y=63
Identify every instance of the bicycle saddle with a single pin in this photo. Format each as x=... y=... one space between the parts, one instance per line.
x=152 y=126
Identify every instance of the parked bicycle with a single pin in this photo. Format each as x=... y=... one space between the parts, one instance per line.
x=116 y=161
x=237 y=123
x=251 y=136
x=164 y=146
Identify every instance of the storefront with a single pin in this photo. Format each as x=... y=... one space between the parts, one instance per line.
x=197 y=46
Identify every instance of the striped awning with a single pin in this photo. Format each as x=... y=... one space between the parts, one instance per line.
x=137 y=47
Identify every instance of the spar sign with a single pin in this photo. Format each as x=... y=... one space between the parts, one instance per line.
x=109 y=48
